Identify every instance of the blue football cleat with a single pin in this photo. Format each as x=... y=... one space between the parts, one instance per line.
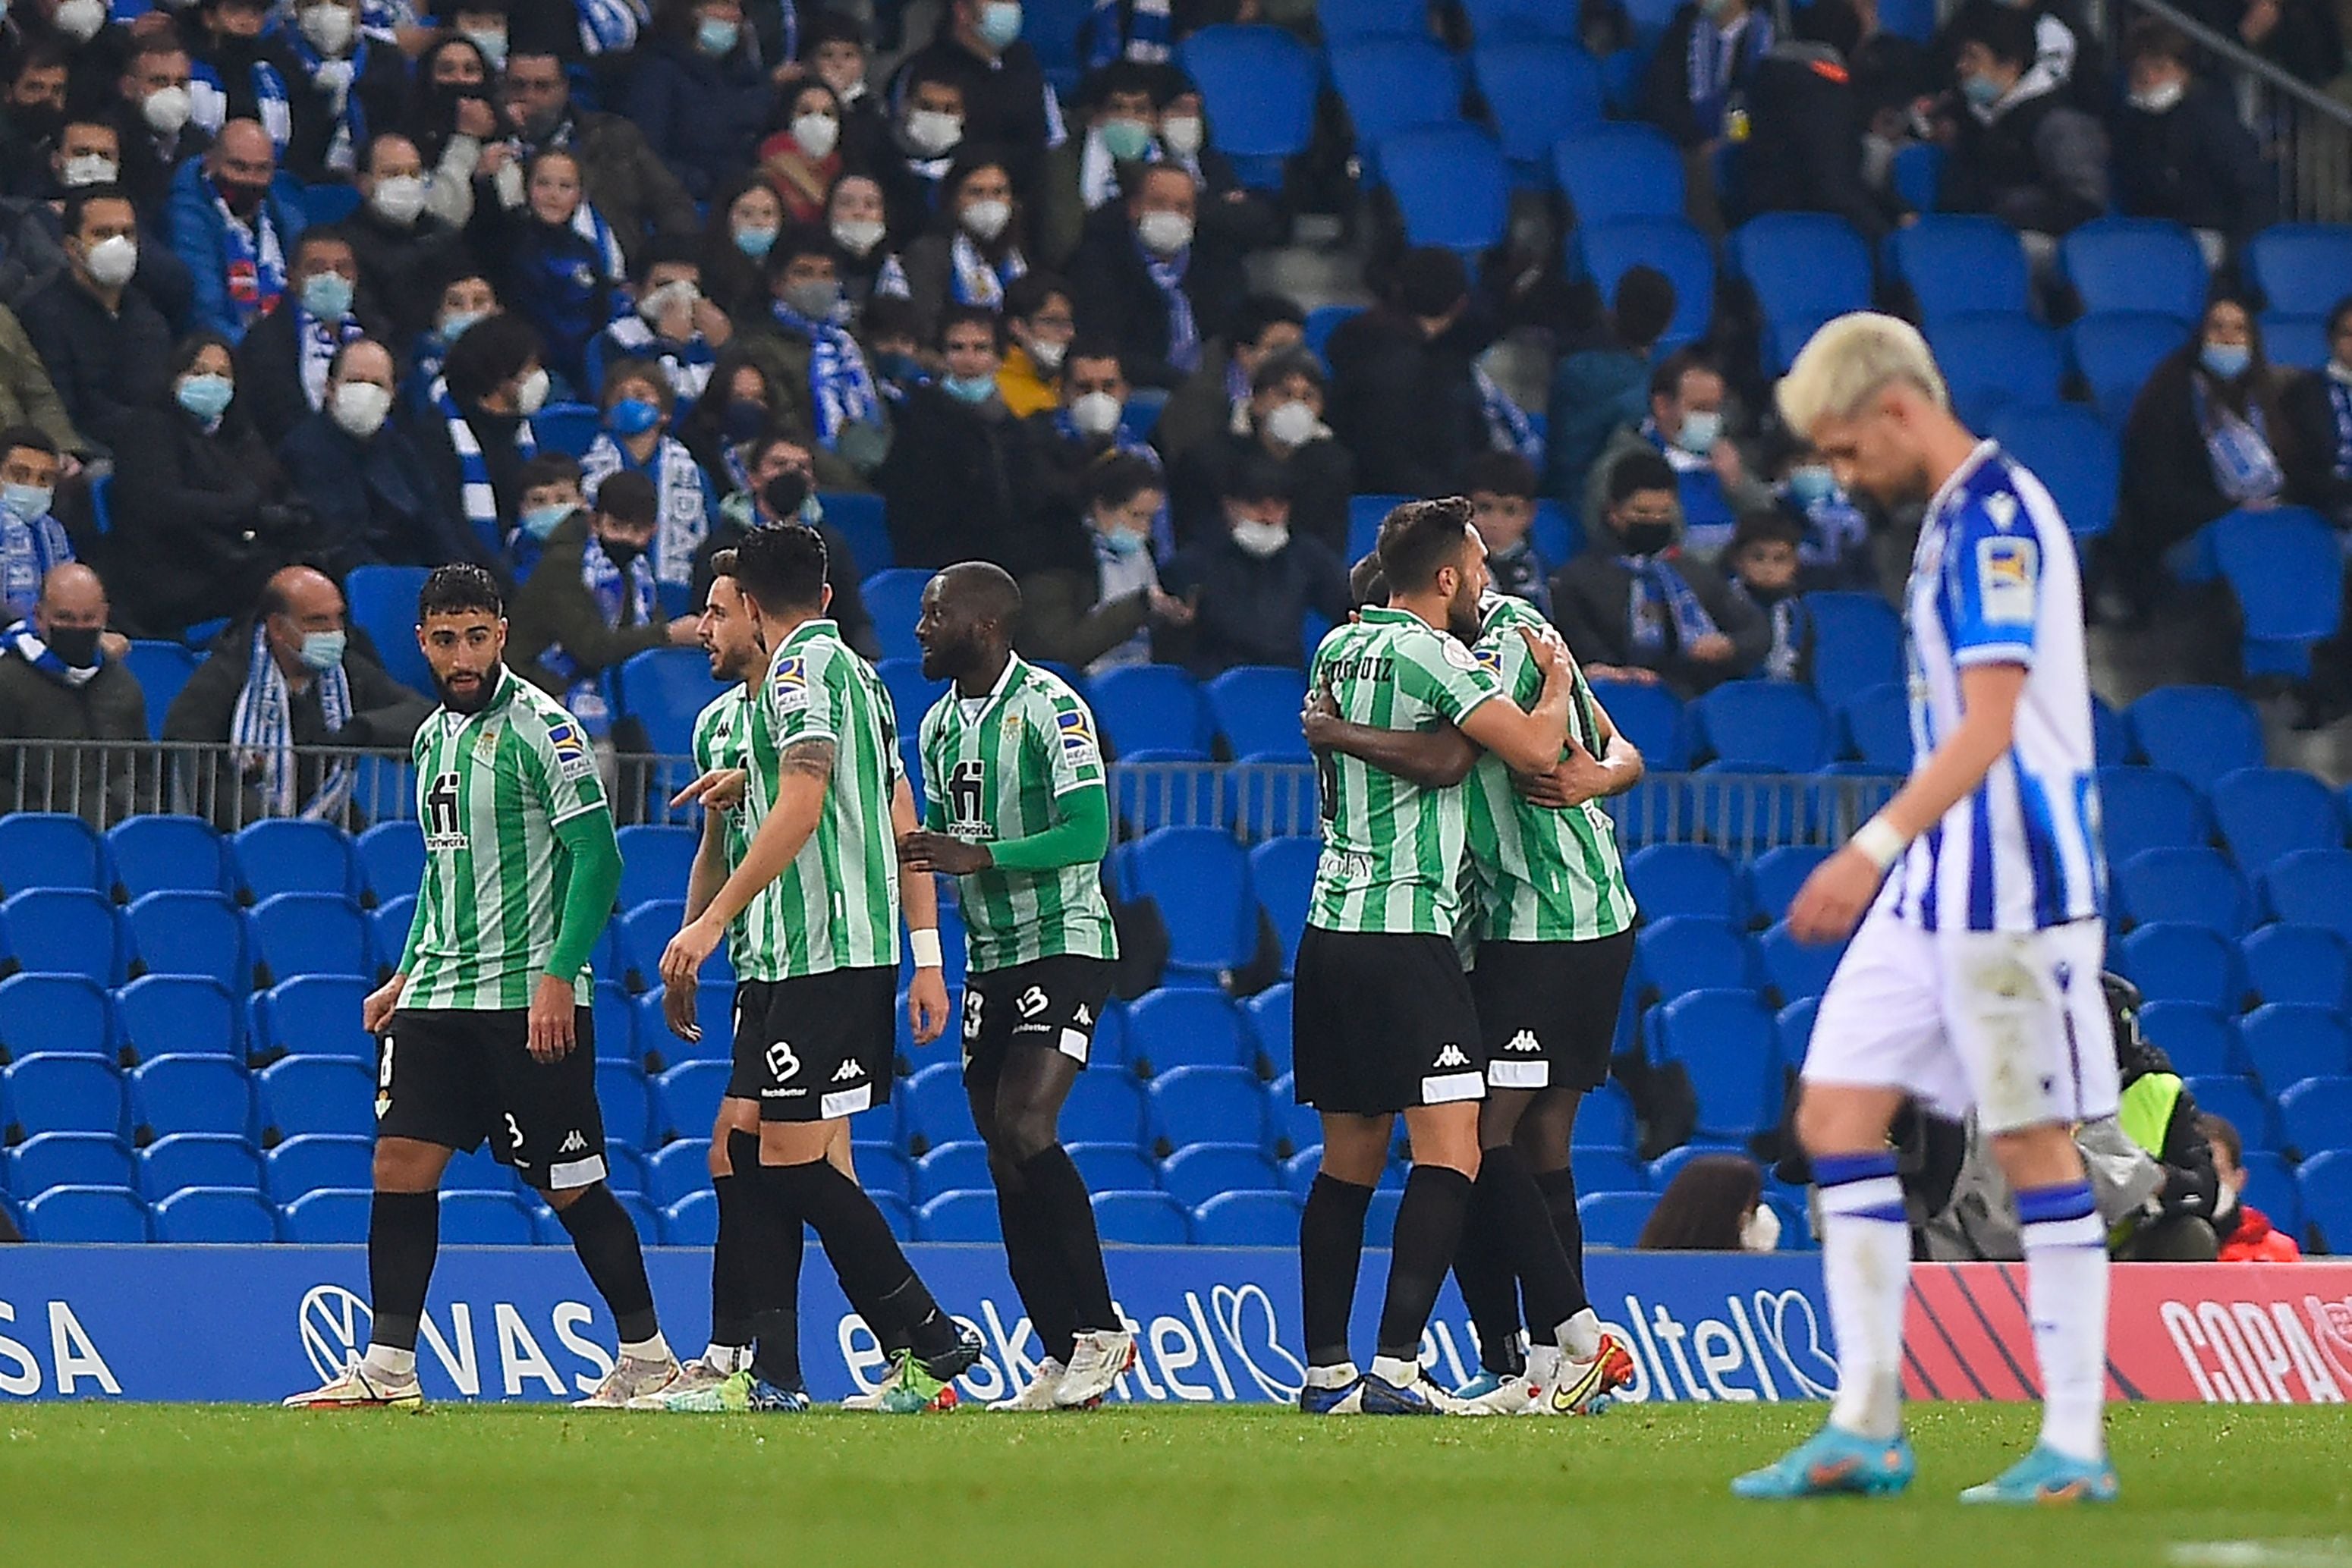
x=1831 y=1462
x=1345 y=1398
x=2047 y=1476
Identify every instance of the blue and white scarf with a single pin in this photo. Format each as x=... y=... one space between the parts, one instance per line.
x=1714 y=62
x=972 y=278
x=682 y=500
x=1836 y=529
x=1117 y=576
x=208 y=97
x=2339 y=402
x=384 y=18
x=334 y=79
x=27 y=645
x=839 y=381
x=1183 y=331
x=687 y=364
x=254 y=258
x=1509 y=428
x=479 y=497
x=590 y=225
x=28 y=552
x=611 y=588
x=1660 y=598
x=610 y=27
x=2238 y=448
x=1789 y=620
x=1128 y=30
x=317 y=341
x=261 y=729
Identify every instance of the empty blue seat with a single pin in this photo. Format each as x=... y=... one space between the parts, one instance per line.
x=63 y=1091
x=1151 y=707
x=1258 y=84
x=2149 y=809
x=1689 y=953
x=685 y=1099
x=1957 y=264
x=477 y=1170
x=614 y=1017
x=628 y=1100
x=327 y=1215
x=1394 y=84
x=1113 y=1167
x=2245 y=1107
x=1765 y=723
x=1796 y=969
x=63 y=931
x=861 y=519
x=1267 y=1017
x=2301 y=268
x=315 y=1160
x=197 y=933
x=1877 y=724
x=1451 y=186
x=1199 y=1172
x=309 y=934
x=1857 y=646
x=484 y=1219
x=2317 y=1113
x=1619 y=171
x=2116 y=355
x=317 y=1015
x=1183 y=1027
x=2137 y=264
x=1608 y=1170
x=933 y=1106
x=67 y=1159
x=1282 y=874
x=1200 y=881
x=2295 y=342
x=1723 y=1040
x=1255 y=709
x=1804 y=268
x=2110 y=736
x=316 y=1094
x=1207 y=1105
x=2268 y=812
x=153 y=852
x=882 y=1169
x=2288 y=1043
x=2283 y=563
x=2327 y=1182
x=162 y=669
x=1994 y=358
x=2307 y=964
x=1792 y=1031
x=293 y=854
x=2199 y=732
x=392 y=860
x=1776 y=875
x=680 y=1170
x=2170 y=962
x=1103 y=1108
x=85 y=1214
x=1649 y=716
x=1917 y=175
x=966 y=1215
x=1684 y=879
x=382 y=601
x=1604 y=1120
x=2192 y=885
x=1614 y=1218
x=645 y=931
x=191 y=1094
x=2312 y=888
x=1253 y=1218
x=2074 y=454
x=1345 y=21
x=2198 y=1038
x=2269 y=1187
x=1520 y=21
x=52 y=850
x=714 y=1012
x=1667 y=243
x=54 y=1012
x=1541 y=91
x=664 y=688
x=911 y=696
x=654 y=860
x=1141 y=1219
x=215 y=1215
x=895 y=600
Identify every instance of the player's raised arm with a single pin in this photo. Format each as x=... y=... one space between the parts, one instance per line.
x=1528 y=741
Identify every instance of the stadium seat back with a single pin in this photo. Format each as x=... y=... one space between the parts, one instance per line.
x=1992 y=358
x=328 y=1216
x=2312 y=888
x=1207 y=1105
x=477 y=1170
x=2271 y=1187
x=2199 y=732
x=682 y=1169
x=1649 y=716
x=2307 y=964
x=1184 y=1027
x=1689 y=953
x=1141 y=1219
x=654 y=862
x=2269 y=812
x=685 y=1099
x=313 y=1161
x=67 y=1159
x=1255 y=710
x=2074 y=454
x=2196 y=886
x=933 y=1106
x=1518 y=21
x=63 y=1091
x=1257 y=1218
x=1776 y=875
x=484 y=1219
x=1149 y=707
x=1792 y=1032
x=1614 y=1218
x=162 y=669
x=1394 y=84
x=883 y=1170
x=1684 y=879
x=1804 y=268
x=1796 y=969
x=64 y=930
x=2137 y=264
x=1857 y=646
x=2198 y=1037
x=966 y=1215
x=2171 y=962
x=2288 y=1043
x=317 y=1094
x=1608 y=1170
x=2317 y=1113
x=1268 y=1018
x=1282 y=874
x=2300 y=267
x=2295 y=342
x=1877 y=724
x=382 y=602
x=2244 y=1106
x=215 y=1215
x=191 y=1094
x=310 y=934
x=391 y=860
x=2149 y=809
x=1113 y=1167
x=1103 y=1108
x=2327 y=1182
x=1953 y=265
x=2116 y=354
x=85 y=1214
x=1604 y=1120
x=1258 y=84
x=645 y=931
x=319 y=1015
x=664 y=688
x=1667 y=243
x=54 y=1012
x=2281 y=563
x=294 y=854
x=1772 y=723
x=1199 y=1172
x=1541 y=90
x=1619 y=171
x=50 y=849
x=628 y=1100
x=1200 y=881
x=1451 y=185
x=155 y=852
x=959 y=1166
x=861 y=519
x=1723 y=1040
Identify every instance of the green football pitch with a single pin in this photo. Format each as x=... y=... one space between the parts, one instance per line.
x=178 y=1487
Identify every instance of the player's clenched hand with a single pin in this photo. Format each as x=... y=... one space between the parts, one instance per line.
x=926 y=1005
x=1316 y=719
x=552 y=1035
x=375 y=1013
x=677 y=1012
x=1830 y=903
x=1550 y=652
x=681 y=962
x=925 y=851
x=720 y=790
x=1576 y=778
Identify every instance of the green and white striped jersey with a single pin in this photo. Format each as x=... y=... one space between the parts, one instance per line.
x=1391 y=850
x=722 y=738
x=492 y=789
x=998 y=767
x=836 y=906
x=1543 y=875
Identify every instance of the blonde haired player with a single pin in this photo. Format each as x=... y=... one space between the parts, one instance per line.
x=1973 y=981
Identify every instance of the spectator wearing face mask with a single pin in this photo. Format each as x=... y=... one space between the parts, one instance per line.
x=2245 y=1232
x=2181 y=153
x=2066 y=48
x=1006 y=102
x=832 y=51
x=1251 y=588
x=926 y=130
x=31 y=114
x=2319 y=406
x=1148 y=277
x=1633 y=607
x=2024 y=153
x=1605 y=384
x=282 y=366
x=59 y=683
x=1282 y=424
x=347 y=87
x=1803 y=152
x=33 y=543
x=698 y=93
x=800 y=161
x=626 y=181
x=368 y=485
x=1833 y=547
x=106 y=346
x=1066 y=442
x=1039 y=326
x=1087 y=170
x=672 y=323
x=636 y=439
x=972 y=253
x=1686 y=426
x=817 y=364
x=1244 y=218
x=1697 y=87
x=957 y=480
x=475 y=426
x=234 y=219
x=746 y=216
x=465 y=297
x=857 y=219
x=780 y=465
x=242 y=69
x=560 y=266
x=1763 y=566
x=151 y=121
x=404 y=250
x=1502 y=490
x=1216 y=397
x=737 y=407
x=1714 y=1204
x=456 y=125
x=1098 y=612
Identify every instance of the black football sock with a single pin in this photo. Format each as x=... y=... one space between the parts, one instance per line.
x=1559 y=1189
x=772 y=1245
x=1330 y=1252
x=1428 y=1230
x=1032 y=1261
x=403 y=1236
x=1490 y=1288
x=1059 y=1194
x=607 y=1245
x=866 y=1255
x=1514 y=1208
x=730 y=1307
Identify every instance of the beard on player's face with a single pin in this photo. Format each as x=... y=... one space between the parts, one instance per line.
x=466 y=691
x=1461 y=610
x=950 y=657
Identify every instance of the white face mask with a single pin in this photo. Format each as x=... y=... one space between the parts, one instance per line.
x=399 y=198
x=1164 y=233
x=858 y=236
x=818 y=134
x=1097 y=413
x=90 y=169
x=1184 y=135
x=931 y=133
x=1292 y=423
x=1261 y=539
x=2160 y=98
x=112 y=261
x=985 y=220
x=79 y=19
x=530 y=394
x=329 y=28
x=677 y=294
x=1047 y=356
x=1761 y=1233
x=1701 y=429
x=167 y=110
x=360 y=408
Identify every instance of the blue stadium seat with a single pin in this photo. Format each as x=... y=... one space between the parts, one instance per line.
x=317 y=1160
x=685 y=1099
x=1520 y=21
x=614 y=1017
x=1604 y=1120
x=2116 y=354
x=1141 y=1219
x=1858 y=644
x=882 y=1169
x=309 y=934
x=1257 y=1218
x=2268 y=812
x=155 y=852
x=1776 y=875
x=2110 y=736
x=1765 y=723
x=1877 y=725
x=933 y=1107
x=1282 y=874
x=1542 y=92
x=1255 y=710
x=958 y=1166
x=214 y=1214
x=569 y=428
x=484 y=1219
x=392 y=860
x=2271 y=1187
x=654 y=860
x=1206 y=1105
x=693 y=1221
x=1200 y=881
x=628 y=1100
x=1326 y=320
x=2326 y=1181
x=714 y=1011
x=477 y=1170
x=1614 y=1218
x=1804 y=267
x=2317 y=1113
x=1792 y=1031
x=388 y=925
x=1199 y=1172
x=859 y=518
x=678 y=1171
x=2149 y=809
x=2199 y=732
x=2245 y=1107
x=1365 y=515
x=63 y=931
x=162 y=669
x=968 y=1216
x=67 y=1159
x=2312 y=888
x=2072 y=452
x=2198 y=1038
x=191 y=1094
x=2137 y=264
x=2197 y=886
x=1994 y=358
x=1346 y=21
x=316 y=1094
x=1267 y=1017
x=1619 y=171
x=317 y=1015
x=912 y=694
x=1670 y=244
x=1918 y=174
x=1608 y=1170
x=663 y=689
x=2295 y=342
x=55 y=1012
x=1151 y=707
x=646 y=930
x=1394 y=84
x=1649 y=716
x=1955 y=265
x=1689 y=953
x=1451 y=185
x=1796 y=969
x=1113 y=1167
x=1684 y=879
x=327 y=1215
x=1103 y=1108
x=2170 y=962
x=2288 y=1043
x=1184 y=1027
x=2282 y=564
x=293 y=854
x=1291 y=1126
x=85 y=1214
x=2307 y=964
x=1258 y=84
x=50 y=849
x=2301 y=268
x=63 y=1091
x=1723 y=1040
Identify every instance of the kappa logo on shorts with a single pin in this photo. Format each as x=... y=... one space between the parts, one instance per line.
x=1523 y=1041
x=847 y=1071
x=572 y=1142
x=781 y=1063
x=1031 y=1002
x=1452 y=1057
x=1085 y=1018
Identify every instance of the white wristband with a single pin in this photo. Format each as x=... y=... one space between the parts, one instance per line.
x=1880 y=841
x=924 y=941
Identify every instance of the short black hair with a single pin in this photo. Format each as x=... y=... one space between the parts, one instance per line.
x=24 y=437
x=1094 y=347
x=457 y=588
x=829 y=26
x=1639 y=471
x=343 y=351
x=1500 y=474
x=956 y=315
x=667 y=250
x=1367 y=584
x=492 y=351
x=798 y=240
x=323 y=233
x=1117 y=478
x=1119 y=76
x=1259 y=311
x=1666 y=381
x=546 y=468
x=1277 y=368
x=629 y=499
x=647 y=371
x=1027 y=294
x=993 y=594
x=1431 y=280
x=1258 y=478
x=78 y=202
x=1643 y=307
x=1420 y=537
x=891 y=316
x=781 y=565
x=2006 y=33
x=1766 y=525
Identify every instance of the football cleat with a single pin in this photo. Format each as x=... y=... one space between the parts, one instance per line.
x=1833 y=1461
x=909 y=1390
x=1102 y=1357
x=361 y=1386
x=735 y=1394
x=1342 y=1393
x=691 y=1376
x=951 y=1365
x=2047 y=1476
x=1419 y=1398
x=1500 y=1395
x=631 y=1378
x=1040 y=1393
x=1589 y=1388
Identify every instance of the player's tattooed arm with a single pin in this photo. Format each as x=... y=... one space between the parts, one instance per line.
x=1434 y=758
x=812 y=757
x=806 y=767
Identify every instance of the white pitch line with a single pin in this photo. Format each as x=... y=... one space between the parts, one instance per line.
x=2335 y=1552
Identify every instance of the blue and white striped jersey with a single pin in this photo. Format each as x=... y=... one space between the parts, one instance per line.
x=1994 y=581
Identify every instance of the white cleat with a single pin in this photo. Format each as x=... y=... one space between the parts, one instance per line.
x=361 y=1387
x=1100 y=1359
x=1040 y=1393
x=695 y=1375
x=631 y=1378
x=1500 y=1395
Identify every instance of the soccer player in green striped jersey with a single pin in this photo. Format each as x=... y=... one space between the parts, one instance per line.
x=1382 y=1018
x=1553 y=920
x=1020 y=814
x=485 y=1029
x=817 y=892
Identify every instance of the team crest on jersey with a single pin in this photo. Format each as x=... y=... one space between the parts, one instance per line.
x=1460 y=657
x=2005 y=572
x=1077 y=736
x=788 y=684
x=486 y=744
x=570 y=745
